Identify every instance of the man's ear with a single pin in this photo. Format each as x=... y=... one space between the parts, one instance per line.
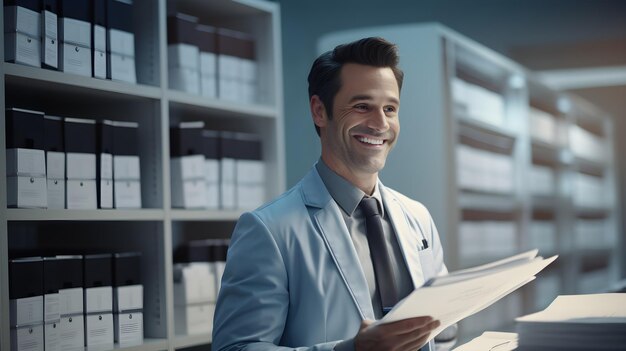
x=318 y=111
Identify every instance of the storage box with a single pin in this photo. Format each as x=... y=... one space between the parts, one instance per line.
x=75 y=36
x=26 y=304
x=25 y=157
x=80 y=148
x=127 y=299
x=187 y=165
x=55 y=161
x=126 y=165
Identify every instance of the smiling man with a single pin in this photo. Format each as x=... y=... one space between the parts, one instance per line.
x=315 y=267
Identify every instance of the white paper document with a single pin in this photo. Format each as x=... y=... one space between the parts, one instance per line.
x=491 y=341
x=453 y=297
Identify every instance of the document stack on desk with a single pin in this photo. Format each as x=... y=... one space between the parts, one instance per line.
x=492 y=341
x=453 y=297
x=576 y=322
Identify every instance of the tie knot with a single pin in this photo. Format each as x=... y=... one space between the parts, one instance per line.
x=369 y=206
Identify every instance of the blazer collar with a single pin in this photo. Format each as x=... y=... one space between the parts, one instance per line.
x=408 y=233
x=331 y=226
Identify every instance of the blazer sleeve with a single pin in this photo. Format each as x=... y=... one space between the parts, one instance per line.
x=253 y=301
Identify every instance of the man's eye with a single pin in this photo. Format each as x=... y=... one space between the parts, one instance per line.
x=390 y=109
x=361 y=107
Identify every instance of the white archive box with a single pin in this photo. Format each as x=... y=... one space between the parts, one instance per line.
x=127 y=299
x=55 y=161
x=207 y=44
x=75 y=36
x=211 y=142
x=98 y=299
x=126 y=165
x=194 y=298
x=121 y=41
x=104 y=163
x=25 y=157
x=71 y=310
x=183 y=53
x=52 y=283
x=49 y=35
x=187 y=165
x=80 y=153
x=26 y=304
x=99 y=38
x=249 y=172
x=22 y=33
x=237 y=68
x=194 y=319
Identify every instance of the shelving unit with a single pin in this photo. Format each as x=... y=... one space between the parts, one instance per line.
x=438 y=119
x=157 y=229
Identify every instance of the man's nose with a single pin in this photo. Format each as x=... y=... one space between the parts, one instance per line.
x=378 y=120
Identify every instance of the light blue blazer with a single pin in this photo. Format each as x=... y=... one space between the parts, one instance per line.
x=293 y=278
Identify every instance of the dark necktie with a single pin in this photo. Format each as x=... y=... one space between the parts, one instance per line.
x=380 y=257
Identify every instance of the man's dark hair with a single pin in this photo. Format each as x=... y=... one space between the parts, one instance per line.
x=325 y=75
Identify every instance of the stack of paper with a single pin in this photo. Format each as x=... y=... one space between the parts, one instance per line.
x=458 y=295
x=576 y=322
x=492 y=341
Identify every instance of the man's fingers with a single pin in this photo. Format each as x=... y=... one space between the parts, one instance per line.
x=416 y=344
x=419 y=337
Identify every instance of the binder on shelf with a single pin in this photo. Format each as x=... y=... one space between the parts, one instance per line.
x=80 y=153
x=26 y=165
x=127 y=299
x=478 y=102
x=543 y=126
x=126 y=165
x=249 y=172
x=183 y=53
x=195 y=253
x=249 y=67
x=72 y=333
x=55 y=161
x=26 y=304
x=51 y=306
x=219 y=253
x=120 y=41
x=49 y=35
x=98 y=298
x=194 y=303
x=196 y=284
x=212 y=168
x=230 y=51
x=208 y=60
x=22 y=32
x=99 y=22
x=75 y=36
x=212 y=251
x=104 y=163
x=228 y=169
x=187 y=165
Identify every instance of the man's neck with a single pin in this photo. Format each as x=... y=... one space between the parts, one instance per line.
x=364 y=181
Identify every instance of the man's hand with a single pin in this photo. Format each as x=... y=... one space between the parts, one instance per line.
x=407 y=334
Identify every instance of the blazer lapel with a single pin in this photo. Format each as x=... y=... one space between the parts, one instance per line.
x=407 y=234
x=332 y=228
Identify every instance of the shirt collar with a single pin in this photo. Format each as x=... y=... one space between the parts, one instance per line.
x=343 y=192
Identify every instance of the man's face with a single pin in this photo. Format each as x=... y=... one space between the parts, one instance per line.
x=364 y=126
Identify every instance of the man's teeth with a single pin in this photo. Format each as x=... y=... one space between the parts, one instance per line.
x=370 y=141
